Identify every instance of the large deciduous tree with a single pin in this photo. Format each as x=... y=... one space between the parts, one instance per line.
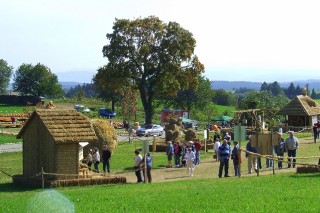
x=5 y=75
x=36 y=80
x=155 y=57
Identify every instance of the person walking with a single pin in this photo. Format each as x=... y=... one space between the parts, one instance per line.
x=292 y=144
x=190 y=156
x=137 y=163
x=224 y=152
x=106 y=155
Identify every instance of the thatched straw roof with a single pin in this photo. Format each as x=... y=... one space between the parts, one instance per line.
x=301 y=105
x=65 y=126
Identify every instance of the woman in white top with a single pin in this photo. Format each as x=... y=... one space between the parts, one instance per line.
x=190 y=155
x=216 y=148
x=96 y=159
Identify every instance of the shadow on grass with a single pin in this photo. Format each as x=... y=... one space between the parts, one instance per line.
x=10 y=187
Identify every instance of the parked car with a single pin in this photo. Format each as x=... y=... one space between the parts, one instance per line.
x=150 y=129
x=106 y=113
x=81 y=108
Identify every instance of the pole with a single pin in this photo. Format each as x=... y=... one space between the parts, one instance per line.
x=145 y=167
x=272 y=151
x=42 y=179
x=257 y=157
x=239 y=152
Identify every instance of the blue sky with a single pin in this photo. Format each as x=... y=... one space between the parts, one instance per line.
x=274 y=40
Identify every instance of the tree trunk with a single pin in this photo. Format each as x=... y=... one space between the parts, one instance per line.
x=146 y=99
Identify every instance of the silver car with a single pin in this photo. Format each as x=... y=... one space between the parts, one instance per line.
x=149 y=130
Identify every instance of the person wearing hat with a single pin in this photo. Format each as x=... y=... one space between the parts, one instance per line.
x=235 y=158
x=280 y=149
x=291 y=146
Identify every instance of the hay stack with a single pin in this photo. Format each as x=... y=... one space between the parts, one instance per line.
x=106 y=134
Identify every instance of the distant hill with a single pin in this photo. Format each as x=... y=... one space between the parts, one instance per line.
x=231 y=85
x=76 y=76
x=68 y=85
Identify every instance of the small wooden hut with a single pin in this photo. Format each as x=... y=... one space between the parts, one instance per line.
x=302 y=111
x=51 y=140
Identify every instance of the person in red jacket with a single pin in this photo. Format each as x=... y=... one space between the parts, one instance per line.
x=197 y=146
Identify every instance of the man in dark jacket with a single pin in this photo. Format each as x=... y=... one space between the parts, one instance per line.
x=106 y=155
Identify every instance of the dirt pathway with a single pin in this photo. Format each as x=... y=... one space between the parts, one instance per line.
x=208 y=169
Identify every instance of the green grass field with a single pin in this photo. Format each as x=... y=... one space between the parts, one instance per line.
x=282 y=192
x=9 y=109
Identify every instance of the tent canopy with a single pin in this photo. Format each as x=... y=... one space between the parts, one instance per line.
x=186 y=120
x=222 y=118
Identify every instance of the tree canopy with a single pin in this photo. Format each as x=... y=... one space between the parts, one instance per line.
x=36 y=80
x=5 y=75
x=154 y=57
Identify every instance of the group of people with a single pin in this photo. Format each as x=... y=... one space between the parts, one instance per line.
x=144 y=164
x=93 y=157
x=186 y=155
x=289 y=145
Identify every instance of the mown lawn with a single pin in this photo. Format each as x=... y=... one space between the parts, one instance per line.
x=4 y=139
x=279 y=193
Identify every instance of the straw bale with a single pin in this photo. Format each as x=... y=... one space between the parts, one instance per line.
x=106 y=134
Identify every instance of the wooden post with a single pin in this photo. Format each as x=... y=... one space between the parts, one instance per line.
x=257 y=157
x=239 y=152
x=42 y=178
x=145 y=167
x=272 y=151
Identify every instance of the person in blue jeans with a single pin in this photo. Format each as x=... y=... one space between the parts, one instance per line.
x=224 y=153
x=197 y=146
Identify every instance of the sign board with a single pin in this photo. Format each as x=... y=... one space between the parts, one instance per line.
x=205 y=134
x=264 y=142
x=239 y=133
x=145 y=146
